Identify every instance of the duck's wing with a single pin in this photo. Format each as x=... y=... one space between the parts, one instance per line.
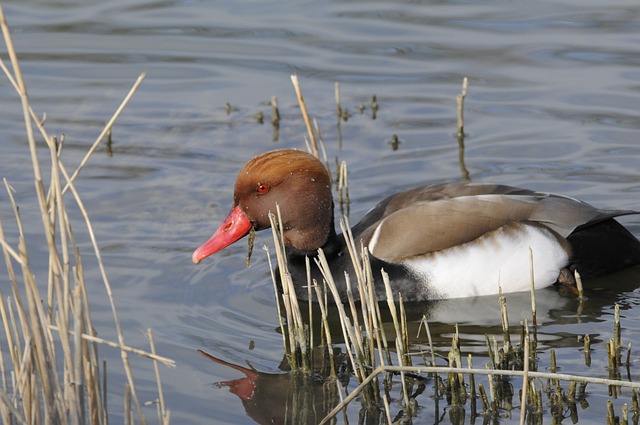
x=405 y=229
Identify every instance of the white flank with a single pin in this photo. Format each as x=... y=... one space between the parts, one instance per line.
x=499 y=259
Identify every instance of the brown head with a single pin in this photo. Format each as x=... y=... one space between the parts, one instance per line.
x=297 y=182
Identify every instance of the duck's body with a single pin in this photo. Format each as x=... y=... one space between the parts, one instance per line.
x=436 y=242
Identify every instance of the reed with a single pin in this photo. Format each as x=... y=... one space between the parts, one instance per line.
x=56 y=375
x=460 y=102
x=460 y=131
x=305 y=114
x=374 y=107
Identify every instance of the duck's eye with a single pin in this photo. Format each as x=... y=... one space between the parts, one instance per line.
x=262 y=188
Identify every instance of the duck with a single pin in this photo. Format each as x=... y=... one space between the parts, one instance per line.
x=436 y=241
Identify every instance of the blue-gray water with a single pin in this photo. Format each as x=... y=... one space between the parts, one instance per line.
x=553 y=104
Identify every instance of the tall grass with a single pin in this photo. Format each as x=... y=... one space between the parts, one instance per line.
x=53 y=373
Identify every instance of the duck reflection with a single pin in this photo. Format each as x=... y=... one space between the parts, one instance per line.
x=282 y=398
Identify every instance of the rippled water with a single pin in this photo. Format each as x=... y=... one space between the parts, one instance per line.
x=552 y=105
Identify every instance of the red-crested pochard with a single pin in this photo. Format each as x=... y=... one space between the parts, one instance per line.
x=435 y=242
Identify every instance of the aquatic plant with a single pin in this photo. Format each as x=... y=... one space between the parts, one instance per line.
x=54 y=373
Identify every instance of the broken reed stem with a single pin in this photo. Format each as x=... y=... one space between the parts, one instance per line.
x=579 y=284
x=309 y=304
x=460 y=134
x=533 y=295
x=305 y=114
x=163 y=413
x=276 y=292
x=525 y=382
x=472 y=378
x=398 y=342
x=505 y=321
x=460 y=103
x=78 y=354
x=320 y=142
x=275 y=116
x=428 y=331
x=351 y=247
x=327 y=331
x=587 y=350
x=343 y=187
x=151 y=355
x=373 y=318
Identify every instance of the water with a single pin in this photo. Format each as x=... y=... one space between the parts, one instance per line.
x=553 y=105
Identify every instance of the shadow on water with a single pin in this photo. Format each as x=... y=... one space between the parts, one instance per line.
x=299 y=398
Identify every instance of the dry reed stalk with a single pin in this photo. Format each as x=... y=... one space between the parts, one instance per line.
x=275 y=118
x=472 y=379
x=460 y=103
x=151 y=355
x=310 y=285
x=305 y=114
x=534 y=317
x=466 y=176
x=163 y=413
x=327 y=332
x=320 y=142
x=428 y=331
x=374 y=107
x=525 y=382
x=504 y=316
x=276 y=292
x=578 y=278
x=611 y=416
x=336 y=90
x=398 y=341
x=358 y=341
x=351 y=248
x=405 y=332
x=374 y=325
x=343 y=188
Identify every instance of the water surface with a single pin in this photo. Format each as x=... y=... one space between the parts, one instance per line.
x=552 y=105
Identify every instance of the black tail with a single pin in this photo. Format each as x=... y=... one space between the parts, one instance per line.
x=603 y=248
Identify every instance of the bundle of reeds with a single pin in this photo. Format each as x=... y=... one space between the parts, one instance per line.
x=53 y=373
